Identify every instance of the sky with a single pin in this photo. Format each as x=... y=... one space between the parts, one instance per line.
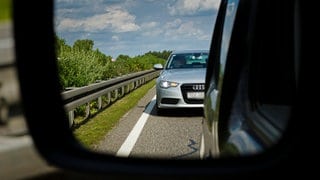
x=134 y=27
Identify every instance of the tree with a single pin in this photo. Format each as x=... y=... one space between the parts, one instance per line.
x=163 y=55
x=123 y=57
x=60 y=45
x=83 y=45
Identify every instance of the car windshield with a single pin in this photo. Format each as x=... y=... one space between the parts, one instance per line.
x=187 y=60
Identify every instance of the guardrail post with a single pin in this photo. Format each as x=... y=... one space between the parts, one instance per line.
x=131 y=86
x=109 y=98
x=127 y=89
x=100 y=103
x=71 y=117
x=87 y=110
x=122 y=91
x=115 y=95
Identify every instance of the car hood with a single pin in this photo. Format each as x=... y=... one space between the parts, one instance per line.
x=184 y=75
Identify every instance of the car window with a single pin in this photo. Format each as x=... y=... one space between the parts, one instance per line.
x=191 y=60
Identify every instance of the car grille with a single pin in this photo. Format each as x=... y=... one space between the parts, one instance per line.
x=185 y=88
x=169 y=101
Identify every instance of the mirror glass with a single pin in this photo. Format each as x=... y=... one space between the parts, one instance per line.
x=106 y=51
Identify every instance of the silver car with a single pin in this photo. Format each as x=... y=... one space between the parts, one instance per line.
x=181 y=81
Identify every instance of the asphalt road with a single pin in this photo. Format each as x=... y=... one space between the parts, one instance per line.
x=173 y=134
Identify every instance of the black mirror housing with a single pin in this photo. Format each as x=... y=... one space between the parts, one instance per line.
x=49 y=128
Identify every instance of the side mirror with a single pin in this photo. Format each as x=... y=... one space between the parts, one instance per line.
x=158 y=67
x=49 y=127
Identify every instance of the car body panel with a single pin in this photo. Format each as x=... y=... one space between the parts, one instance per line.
x=184 y=75
x=250 y=95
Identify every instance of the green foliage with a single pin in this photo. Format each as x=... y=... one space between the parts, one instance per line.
x=80 y=68
x=163 y=55
x=83 y=45
x=80 y=65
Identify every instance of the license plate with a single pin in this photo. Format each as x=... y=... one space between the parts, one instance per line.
x=195 y=95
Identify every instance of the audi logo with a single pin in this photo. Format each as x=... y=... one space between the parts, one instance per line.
x=198 y=87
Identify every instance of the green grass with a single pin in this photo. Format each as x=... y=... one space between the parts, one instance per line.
x=96 y=128
x=5 y=10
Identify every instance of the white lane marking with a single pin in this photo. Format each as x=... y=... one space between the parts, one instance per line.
x=132 y=138
x=8 y=144
x=6 y=43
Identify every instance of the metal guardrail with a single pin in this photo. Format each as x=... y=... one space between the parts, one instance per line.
x=112 y=89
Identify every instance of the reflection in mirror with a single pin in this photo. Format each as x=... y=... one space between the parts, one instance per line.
x=106 y=51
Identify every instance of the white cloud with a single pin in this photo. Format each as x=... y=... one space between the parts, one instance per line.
x=66 y=1
x=175 y=29
x=153 y=33
x=174 y=24
x=190 y=7
x=115 y=38
x=185 y=29
x=115 y=19
x=76 y=1
x=178 y=29
x=149 y=25
x=151 y=29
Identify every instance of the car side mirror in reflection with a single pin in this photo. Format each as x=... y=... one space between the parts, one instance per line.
x=158 y=67
x=50 y=129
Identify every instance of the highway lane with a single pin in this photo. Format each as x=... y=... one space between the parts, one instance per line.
x=174 y=134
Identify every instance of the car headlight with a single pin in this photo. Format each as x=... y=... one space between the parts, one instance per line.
x=167 y=84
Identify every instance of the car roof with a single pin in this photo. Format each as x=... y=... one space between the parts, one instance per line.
x=189 y=51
